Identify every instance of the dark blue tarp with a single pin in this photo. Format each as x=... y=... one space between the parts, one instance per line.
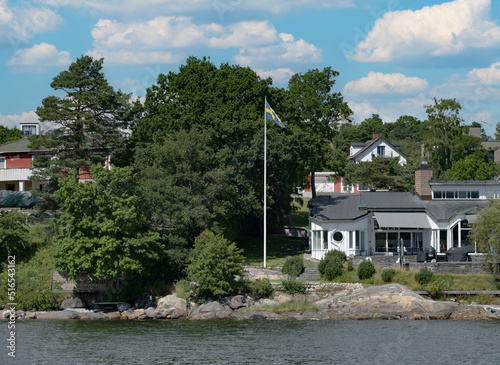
x=16 y=199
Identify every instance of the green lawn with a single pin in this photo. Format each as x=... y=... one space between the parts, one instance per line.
x=278 y=248
x=300 y=217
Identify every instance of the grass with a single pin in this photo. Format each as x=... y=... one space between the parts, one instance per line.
x=300 y=215
x=278 y=248
x=300 y=305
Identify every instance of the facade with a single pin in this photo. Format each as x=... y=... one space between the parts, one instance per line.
x=374 y=223
x=377 y=147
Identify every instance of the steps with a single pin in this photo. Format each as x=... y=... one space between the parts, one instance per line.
x=309 y=274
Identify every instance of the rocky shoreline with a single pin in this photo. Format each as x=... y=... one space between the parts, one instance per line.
x=391 y=301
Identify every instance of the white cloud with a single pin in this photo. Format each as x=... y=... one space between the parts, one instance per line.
x=280 y=76
x=20 y=24
x=379 y=83
x=14 y=121
x=445 y=29
x=246 y=34
x=490 y=75
x=484 y=117
x=39 y=57
x=136 y=58
x=287 y=51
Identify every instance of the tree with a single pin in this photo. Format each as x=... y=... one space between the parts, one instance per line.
x=213 y=266
x=219 y=111
x=371 y=126
x=88 y=121
x=486 y=233
x=446 y=139
x=497 y=132
x=380 y=174
x=316 y=111
x=14 y=235
x=473 y=167
x=105 y=232
x=9 y=135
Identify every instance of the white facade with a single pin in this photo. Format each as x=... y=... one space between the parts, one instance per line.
x=377 y=148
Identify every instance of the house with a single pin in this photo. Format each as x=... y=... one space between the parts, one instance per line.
x=438 y=215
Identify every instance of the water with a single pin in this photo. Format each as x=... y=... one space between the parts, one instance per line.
x=254 y=342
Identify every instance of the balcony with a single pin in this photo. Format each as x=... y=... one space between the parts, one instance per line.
x=19 y=174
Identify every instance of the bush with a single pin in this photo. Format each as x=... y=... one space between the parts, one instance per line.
x=261 y=288
x=293 y=266
x=330 y=268
x=424 y=276
x=292 y=286
x=336 y=253
x=366 y=270
x=387 y=275
x=214 y=264
x=349 y=266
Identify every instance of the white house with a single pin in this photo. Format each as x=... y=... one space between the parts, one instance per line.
x=377 y=147
x=438 y=215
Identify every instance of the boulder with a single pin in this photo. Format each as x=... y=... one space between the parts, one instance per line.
x=147 y=301
x=210 y=310
x=75 y=302
x=113 y=315
x=172 y=307
x=238 y=301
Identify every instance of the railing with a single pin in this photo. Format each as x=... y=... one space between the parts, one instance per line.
x=18 y=174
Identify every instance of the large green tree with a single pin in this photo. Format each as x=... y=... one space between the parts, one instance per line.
x=106 y=233
x=473 y=167
x=380 y=174
x=447 y=140
x=220 y=111
x=316 y=111
x=86 y=122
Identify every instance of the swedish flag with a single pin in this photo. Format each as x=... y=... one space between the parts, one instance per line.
x=271 y=115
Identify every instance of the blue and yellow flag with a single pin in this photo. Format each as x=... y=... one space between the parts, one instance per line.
x=271 y=115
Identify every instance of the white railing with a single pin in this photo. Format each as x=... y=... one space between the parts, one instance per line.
x=15 y=174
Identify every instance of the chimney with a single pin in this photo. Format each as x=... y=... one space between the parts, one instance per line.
x=375 y=135
x=422 y=178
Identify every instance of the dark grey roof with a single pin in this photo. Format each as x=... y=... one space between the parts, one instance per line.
x=19 y=146
x=444 y=210
x=336 y=207
x=390 y=201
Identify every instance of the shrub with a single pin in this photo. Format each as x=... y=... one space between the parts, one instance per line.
x=366 y=270
x=292 y=286
x=293 y=266
x=387 y=275
x=336 y=253
x=213 y=266
x=424 y=276
x=349 y=265
x=261 y=288
x=331 y=268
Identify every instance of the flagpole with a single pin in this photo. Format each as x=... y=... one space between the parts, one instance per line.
x=265 y=180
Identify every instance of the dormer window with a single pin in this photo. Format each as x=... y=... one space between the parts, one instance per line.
x=381 y=151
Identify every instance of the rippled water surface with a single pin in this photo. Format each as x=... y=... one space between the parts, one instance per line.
x=255 y=342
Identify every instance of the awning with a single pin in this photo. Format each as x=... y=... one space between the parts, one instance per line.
x=402 y=220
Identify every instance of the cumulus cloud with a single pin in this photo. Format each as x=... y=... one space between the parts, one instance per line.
x=38 y=57
x=20 y=24
x=439 y=30
x=288 y=50
x=280 y=76
x=490 y=75
x=379 y=83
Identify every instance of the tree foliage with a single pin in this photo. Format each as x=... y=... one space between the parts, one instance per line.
x=9 y=134
x=213 y=266
x=486 y=233
x=105 y=232
x=86 y=122
x=14 y=238
x=380 y=174
x=473 y=167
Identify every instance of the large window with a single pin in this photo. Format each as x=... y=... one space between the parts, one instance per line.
x=381 y=151
x=2 y=162
x=461 y=194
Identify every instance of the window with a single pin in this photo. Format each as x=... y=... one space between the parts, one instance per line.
x=438 y=194
x=360 y=240
x=450 y=194
x=338 y=236
x=462 y=195
x=474 y=194
x=380 y=150
x=316 y=238
x=11 y=187
x=325 y=240
x=351 y=239
x=2 y=162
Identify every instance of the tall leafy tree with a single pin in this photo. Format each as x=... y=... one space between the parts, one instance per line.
x=106 y=233
x=87 y=121
x=9 y=134
x=473 y=167
x=447 y=140
x=316 y=110
x=486 y=233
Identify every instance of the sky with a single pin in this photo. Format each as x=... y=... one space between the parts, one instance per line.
x=393 y=56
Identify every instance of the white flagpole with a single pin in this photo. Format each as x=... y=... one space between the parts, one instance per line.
x=265 y=180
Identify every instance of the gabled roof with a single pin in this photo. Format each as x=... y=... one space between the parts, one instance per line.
x=445 y=210
x=372 y=142
x=19 y=146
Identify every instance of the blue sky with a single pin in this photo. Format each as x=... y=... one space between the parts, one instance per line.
x=393 y=56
